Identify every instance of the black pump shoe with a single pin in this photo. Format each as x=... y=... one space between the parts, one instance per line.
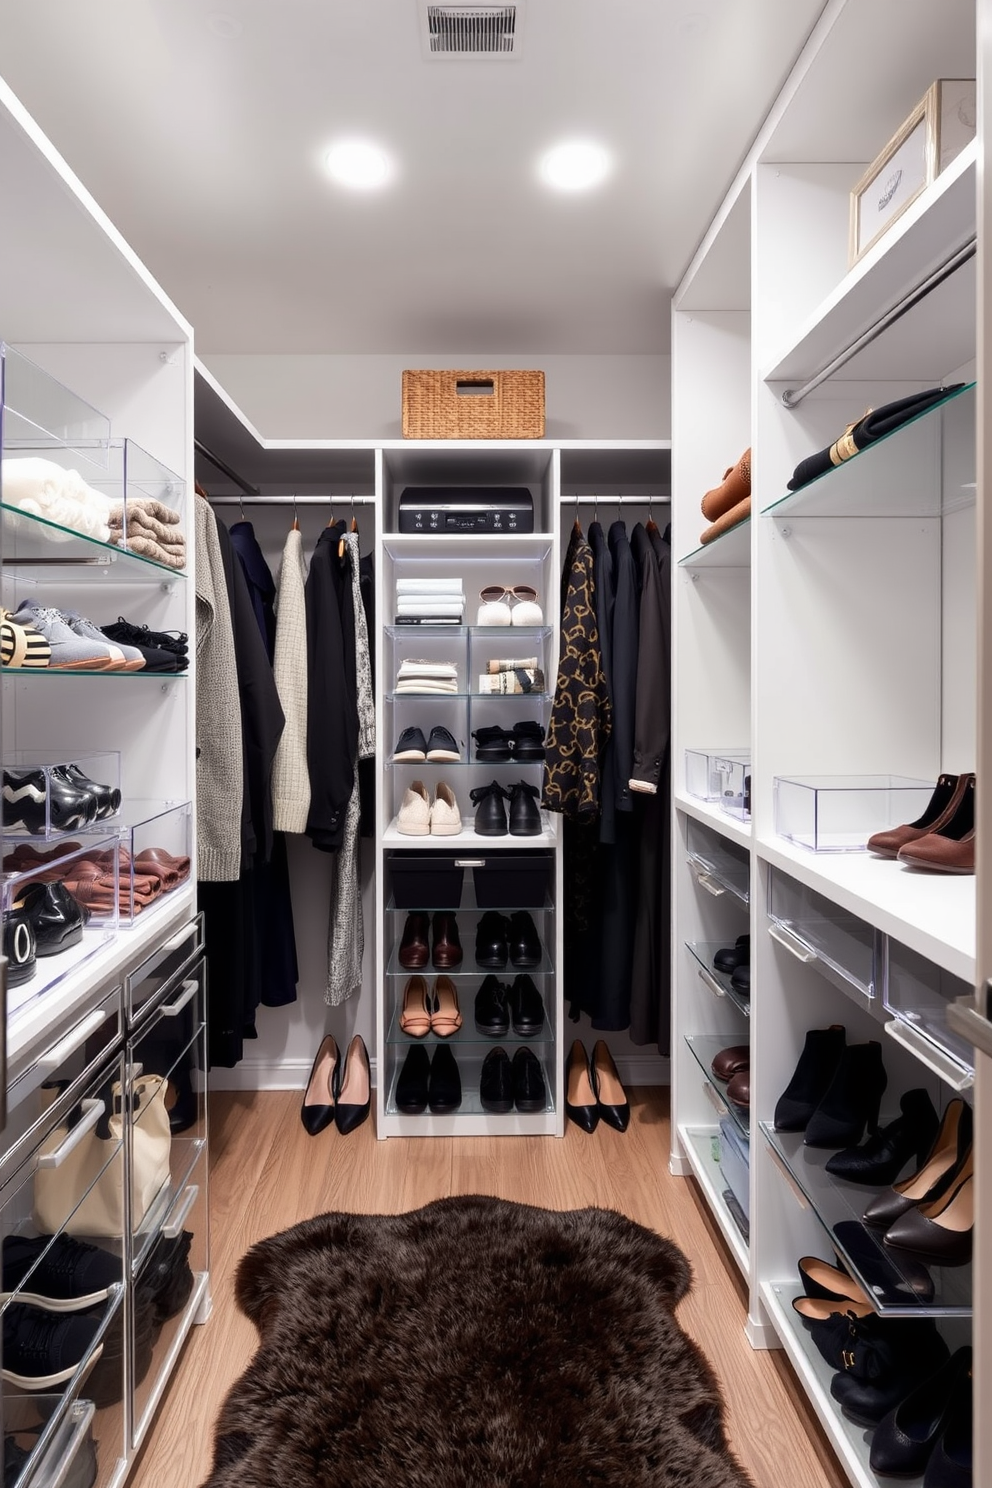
x=490 y=813
x=882 y=1158
x=811 y=1078
x=611 y=1098
x=317 y=1109
x=354 y=1095
x=852 y=1100
x=906 y=1437
x=581 y=1105
x=525 y=815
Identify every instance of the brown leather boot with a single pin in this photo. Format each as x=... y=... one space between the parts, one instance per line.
x=447 y=952
x=731 y=491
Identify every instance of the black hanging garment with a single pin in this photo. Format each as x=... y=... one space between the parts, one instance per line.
x=332 y=690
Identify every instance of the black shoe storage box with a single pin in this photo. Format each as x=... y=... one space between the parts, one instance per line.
x=432 y=880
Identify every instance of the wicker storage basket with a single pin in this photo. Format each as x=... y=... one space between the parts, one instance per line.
x=473 y=405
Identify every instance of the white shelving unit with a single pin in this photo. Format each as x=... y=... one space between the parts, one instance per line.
x=833 y=634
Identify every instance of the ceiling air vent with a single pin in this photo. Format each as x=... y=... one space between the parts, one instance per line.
x=453 y=32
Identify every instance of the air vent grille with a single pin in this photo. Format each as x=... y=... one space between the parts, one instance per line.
x=472 y=30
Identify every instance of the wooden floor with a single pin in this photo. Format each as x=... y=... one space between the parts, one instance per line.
x=267 y=1174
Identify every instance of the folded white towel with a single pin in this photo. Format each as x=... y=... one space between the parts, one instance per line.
x=451 y=608
x=416 y=667
x=429 y=586
x=430 y=686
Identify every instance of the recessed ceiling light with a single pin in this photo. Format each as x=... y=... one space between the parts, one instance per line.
x=575 y=165
x=222 y=24
x=357 y=163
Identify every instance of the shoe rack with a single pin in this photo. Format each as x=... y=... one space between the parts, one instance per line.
x=85 y=328
x=833 y=634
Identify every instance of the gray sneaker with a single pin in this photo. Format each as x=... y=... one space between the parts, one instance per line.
x=133 y=659
x=70 y=652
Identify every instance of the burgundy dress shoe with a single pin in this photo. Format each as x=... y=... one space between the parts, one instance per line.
x=415 y=947
x=447 y=951
x=949 y=847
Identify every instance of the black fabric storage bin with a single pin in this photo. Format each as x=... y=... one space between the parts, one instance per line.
x=425 y=880
x=513 y=880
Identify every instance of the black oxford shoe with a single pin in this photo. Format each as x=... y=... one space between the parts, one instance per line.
x=523 y=941
x=492 y=1012
x=496 y=1083
x=526 y=1007
x=529 y=1091
x=491 y=949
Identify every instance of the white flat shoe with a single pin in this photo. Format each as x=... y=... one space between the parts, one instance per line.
x=414 y=815
x=446 y=819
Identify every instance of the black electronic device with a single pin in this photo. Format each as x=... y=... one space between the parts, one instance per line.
x=455 y=509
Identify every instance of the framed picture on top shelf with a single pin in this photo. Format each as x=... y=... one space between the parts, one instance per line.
x=935 y=132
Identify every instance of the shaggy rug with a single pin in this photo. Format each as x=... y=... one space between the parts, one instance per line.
x=473 y=1343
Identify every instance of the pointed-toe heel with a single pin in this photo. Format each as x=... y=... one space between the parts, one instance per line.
x=614 y=1107
x=355 y=1093
x=581 y=1105
x=317 y=1109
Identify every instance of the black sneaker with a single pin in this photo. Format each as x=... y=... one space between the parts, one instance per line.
x=525 y=816
x=528 y=741
x=43 y=1349
x=496 y=1083
x=492 y=744
x=492 y=1012
x=157 y=658
x=442 y=747
x=167 y=1278
x=526 y=1007
x=62 y=1274
x=410 y=746
x=176 y=642
x=490 y=813
x=529 y=1090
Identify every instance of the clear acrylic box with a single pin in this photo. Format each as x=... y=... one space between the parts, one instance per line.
x=42 y=797
x=721 y=776
x=154 y=857
x=40 y=414
x=918 y=993
x=838 y=813
x=839 y=946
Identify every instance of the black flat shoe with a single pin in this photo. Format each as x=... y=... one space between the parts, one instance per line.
x=523 y=941
x=529 y=1090
x=490 y=812
x=354 y=1096
x=730 y=957
x=526 y=1007
x=317 y=1109
x=740 y=979
x=491 y=949
x=906 y=1437
x=444 y=1088
x=525 y=816
x=56 y=918
x=881 y=1159
x=411 y=1087
x=611 y=1098
x=411 y=747
x=496 y=1083
x=581 y=1105
x=492 y=1009
x=442 y=746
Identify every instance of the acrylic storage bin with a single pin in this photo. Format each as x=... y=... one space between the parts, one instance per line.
x=838 y=813
x=718 y=865
x=59 y=793
x=918 y=994
x=842 y=948
x=154 y=853
x=719 y=775
x=59 y=906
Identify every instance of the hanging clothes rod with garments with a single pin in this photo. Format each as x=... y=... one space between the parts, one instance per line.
x=225 y=469
x=608 y=501
x=343 y=501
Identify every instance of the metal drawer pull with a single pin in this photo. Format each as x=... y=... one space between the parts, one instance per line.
x=470 y=862
x=791 y=1183
x=710 y=982
x=792 y=943
x=94 y=1110
x=704 y=877
x=927 y=1053
x=83 y=1411
x=174 y=1228
x=177 y=940
x=68 y=1045
x=189 y=990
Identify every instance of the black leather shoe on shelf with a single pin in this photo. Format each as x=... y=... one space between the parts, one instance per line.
x=164 y=651
x=411 y=747
x=740 y=979
x=729 y=957
x=525 y=815
x=528 y=741
x=25 y=793
x=42 y=1349
x=529 y=1090
x=108 y=797
x=952 y=1463
x=492 y=745
x=496 y=1083
x=490 y=812
x=906 y=1437
x=882 y=1158
x=166 y=1276
x=526 y=1007
x=811 y=1078
x=581 y=1105
x=411 y=1087
x=20 y=947
x=491 y=950
x=492 y=1008
x=444 y=1088
x=523 y=941
x=55 y=916
x=442 y=746
x=58 y=1273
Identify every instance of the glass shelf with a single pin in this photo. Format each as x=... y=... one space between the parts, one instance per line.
x=469 y=1069
x=704 y=1046
x=703 y=952
x=88 y=677
x=898 y=1284
x=469 y=967
x=732 y=549
x=461 y=697
x=48 y=549
x=468 y=1034
x=404 y=632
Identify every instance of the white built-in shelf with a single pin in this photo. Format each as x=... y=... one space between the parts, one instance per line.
x=713 y=816
x=478 y=542
x=851 y=1443
x=732 y=549
x=698 y=1144
x=469 y=838
x=931 y=913
x=941 y=219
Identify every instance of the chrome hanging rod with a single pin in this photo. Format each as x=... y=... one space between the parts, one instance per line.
x=343 y=501
x=608 y=501
x=794 y=396
x=224 y=468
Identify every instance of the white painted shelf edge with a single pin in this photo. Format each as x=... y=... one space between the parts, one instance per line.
x=695 y=1144
x=706 y=811
x=391 y=837
x=931 y=913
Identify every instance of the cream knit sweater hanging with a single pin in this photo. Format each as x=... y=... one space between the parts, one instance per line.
x=290 y=776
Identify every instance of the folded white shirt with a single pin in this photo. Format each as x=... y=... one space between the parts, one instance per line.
x=449 y=607
x=416 y=667
x=429 y=586
x=429 y=685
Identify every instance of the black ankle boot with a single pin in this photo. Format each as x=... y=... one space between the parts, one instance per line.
x=490 y=813
x=525 y=815
x=882 y=1158
x=853 y=1099
x=816 y=1068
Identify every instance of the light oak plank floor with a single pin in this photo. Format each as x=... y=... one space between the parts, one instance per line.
x=267 y=1174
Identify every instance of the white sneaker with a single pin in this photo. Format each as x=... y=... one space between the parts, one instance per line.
x=446 y=819
x=414 y=815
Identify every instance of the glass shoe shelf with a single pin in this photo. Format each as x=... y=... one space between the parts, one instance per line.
x=703 y=1047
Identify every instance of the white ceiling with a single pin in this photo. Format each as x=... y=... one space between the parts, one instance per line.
x=205 y=149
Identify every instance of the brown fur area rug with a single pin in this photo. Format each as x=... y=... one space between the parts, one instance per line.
x=473 y=1343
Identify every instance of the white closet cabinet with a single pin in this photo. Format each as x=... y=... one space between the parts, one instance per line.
x=97 y=376
x=831 y=635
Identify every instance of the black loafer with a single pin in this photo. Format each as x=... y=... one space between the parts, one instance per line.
x=412 y=1085
x=525 y=816
x=523 y=940
x=730 y=957
x=490 y=813
x=20 y=946
x=492 y=1013
x=526 y=1007
x=529 y=1090
x=496 y=1083
x=55 y=916
x=490 y=941
x=444 y=1088
x=492 y=745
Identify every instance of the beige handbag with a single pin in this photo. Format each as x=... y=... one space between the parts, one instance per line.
x=77 y=1172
